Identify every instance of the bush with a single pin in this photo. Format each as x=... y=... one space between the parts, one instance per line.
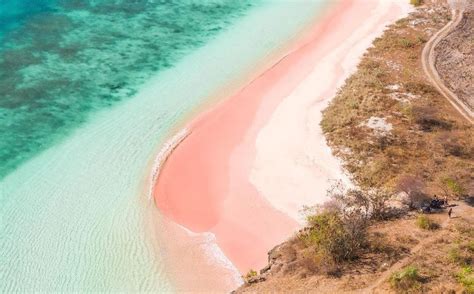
x=428 y=119
x=454 y=255
x=250 y=274
x=466 y=277
x=369 y=202
x=406 y=43
x=406 y=279
x=426 y=223
x=460 y=255
x=421 y=40
x=416 y=2
x=470 y=246
x=338 y=229
x=333 y=236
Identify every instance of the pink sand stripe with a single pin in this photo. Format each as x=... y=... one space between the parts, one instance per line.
x=204 y=185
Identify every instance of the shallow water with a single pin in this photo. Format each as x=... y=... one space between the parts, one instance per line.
x=89 y=91
x=60 y=61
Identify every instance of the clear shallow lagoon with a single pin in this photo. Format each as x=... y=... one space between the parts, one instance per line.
x=62 y=60
x=88 y=92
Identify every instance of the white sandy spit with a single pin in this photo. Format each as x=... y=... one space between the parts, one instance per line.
x=293 y=165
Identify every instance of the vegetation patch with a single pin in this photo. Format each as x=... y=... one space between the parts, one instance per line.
x=406 y=279
x=338 y=230
x=331 y=236
x=461 y=254
x=416 y=2
x=251 y=277
x=363 y=232
x=426 y=223
x=453 y=186
x=428 y=140
x=466 y=277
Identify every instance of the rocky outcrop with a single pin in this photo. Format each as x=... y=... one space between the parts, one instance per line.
x=286 y=259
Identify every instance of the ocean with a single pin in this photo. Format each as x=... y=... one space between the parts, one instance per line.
x=89 y=91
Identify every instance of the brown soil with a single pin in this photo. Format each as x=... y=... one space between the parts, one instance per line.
x=455 y=60
x=425 y=129
x=429 y=139
x=393 y=245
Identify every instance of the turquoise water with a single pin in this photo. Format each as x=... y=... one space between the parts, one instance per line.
x=62 y=60
x=14 y=13
x=89 y=91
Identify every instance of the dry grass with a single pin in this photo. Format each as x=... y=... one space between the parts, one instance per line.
x=406 y=280
x=426 y=223
x=429 y=139
x=429 y=142
x=440 y=269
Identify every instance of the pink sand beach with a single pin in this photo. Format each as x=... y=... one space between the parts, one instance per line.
x=247 y=165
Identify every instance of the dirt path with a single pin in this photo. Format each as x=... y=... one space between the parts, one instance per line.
x=460 y=210
x=404 y=261
x=428 y=61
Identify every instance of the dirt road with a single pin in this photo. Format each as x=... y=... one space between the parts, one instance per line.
x=428 y=61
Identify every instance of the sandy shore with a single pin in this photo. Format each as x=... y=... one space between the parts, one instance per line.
x=301 y=169
x=248 y=165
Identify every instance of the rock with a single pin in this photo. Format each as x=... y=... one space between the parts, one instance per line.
x=274 y=254
x=256 y=279
x=266 y=269
x=277 y=268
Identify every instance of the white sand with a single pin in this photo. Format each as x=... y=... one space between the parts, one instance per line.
x=294 y=166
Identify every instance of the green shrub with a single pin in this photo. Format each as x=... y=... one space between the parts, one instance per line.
x=454 y=255
x=406 y=279
x=460 y=255
x=250 y=274
x=421 y=39
x=426 y=223
x=455 y=187
x=406 y=43
x=470 y=246
x=333 y=237
x=466 y=277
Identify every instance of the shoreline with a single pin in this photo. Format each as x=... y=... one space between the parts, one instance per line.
x=185 y=124
x=163 y=155
x=234 y=152
x=381 y=89
x=303 y=164
x=162 y=227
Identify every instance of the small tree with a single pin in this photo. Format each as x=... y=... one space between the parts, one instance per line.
x=378 y=199
x=340 y=238
x=371 y=203
x=338 y=228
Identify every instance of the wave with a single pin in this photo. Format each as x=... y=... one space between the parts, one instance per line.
x=163 y=155
x=215 y=253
